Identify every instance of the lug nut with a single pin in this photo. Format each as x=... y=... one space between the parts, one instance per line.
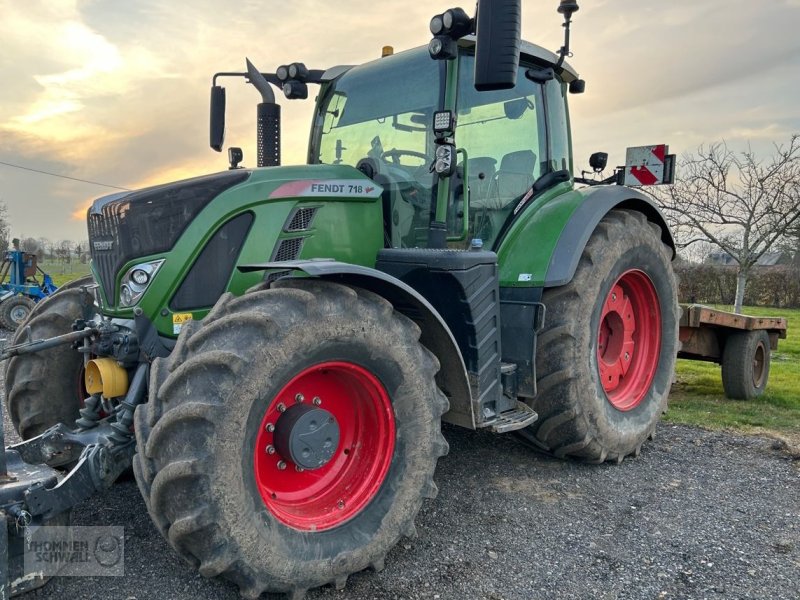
x=281 y=465
x=613 y=297
x=270 y=449
x=627 y=356
x=317 y=401
x=281 y=407
x=298 y=468
x=340 y=504
x=270 y=427
x=299 y=398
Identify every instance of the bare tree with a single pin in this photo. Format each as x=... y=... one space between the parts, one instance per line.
x=29 y=245
x=44 y=247
x=5 y=227
x=63 y=251
x=740 y=203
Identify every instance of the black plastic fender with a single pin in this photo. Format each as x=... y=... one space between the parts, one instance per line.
x=436 y=335
x=598 y=202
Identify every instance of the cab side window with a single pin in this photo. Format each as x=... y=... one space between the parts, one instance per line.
x=504 y=136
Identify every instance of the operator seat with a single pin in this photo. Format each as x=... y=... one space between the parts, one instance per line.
x=512 y=180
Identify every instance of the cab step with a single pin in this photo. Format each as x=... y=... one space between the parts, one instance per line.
x=512 y=420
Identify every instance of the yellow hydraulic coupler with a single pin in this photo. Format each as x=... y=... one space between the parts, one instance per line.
x=105 y=376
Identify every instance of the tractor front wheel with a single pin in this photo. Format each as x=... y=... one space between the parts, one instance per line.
x=605 y=360
x=291 y=436
x=14 y=310
x=46 y=388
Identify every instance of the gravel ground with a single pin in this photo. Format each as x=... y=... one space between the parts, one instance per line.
x=698 y=515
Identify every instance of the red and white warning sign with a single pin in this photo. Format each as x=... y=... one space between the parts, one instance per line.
x=649 y=165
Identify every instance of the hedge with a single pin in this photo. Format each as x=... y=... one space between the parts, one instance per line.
x=777 y=286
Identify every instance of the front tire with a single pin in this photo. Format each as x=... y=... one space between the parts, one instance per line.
x=46 y=388
x=606 y=357
x=222 y=489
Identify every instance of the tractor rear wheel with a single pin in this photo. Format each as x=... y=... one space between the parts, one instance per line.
x=291 y=436
x=46 y=388
x=14 y=310
x=605 y=359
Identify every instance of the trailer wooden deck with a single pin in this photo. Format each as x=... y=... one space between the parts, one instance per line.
x=740 y=343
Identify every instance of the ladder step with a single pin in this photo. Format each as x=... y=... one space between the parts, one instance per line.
x=513 y=419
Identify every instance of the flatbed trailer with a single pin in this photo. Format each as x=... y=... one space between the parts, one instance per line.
x=741 y=344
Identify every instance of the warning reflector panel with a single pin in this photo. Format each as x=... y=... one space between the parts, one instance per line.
x=649 y=165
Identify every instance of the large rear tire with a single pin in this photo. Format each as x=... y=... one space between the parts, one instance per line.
x=222 y=487
x=606 y=357
x=46 y=388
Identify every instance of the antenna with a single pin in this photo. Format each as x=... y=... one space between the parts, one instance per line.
x=566 y=8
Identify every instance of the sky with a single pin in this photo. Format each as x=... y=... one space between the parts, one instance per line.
x=117 y=92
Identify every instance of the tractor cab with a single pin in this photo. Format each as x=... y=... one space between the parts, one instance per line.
x=379 y=118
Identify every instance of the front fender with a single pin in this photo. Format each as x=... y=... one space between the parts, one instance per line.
x=436 y=335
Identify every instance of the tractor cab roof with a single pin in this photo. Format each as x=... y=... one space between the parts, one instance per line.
x=527 y=50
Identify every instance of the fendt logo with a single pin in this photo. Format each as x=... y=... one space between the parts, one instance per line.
x=107 y=245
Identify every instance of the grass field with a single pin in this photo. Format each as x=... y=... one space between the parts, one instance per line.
x=697 y=397
x=62 y=273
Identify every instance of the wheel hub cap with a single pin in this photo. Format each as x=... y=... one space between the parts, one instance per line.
x=307 y=436
x=18 y=314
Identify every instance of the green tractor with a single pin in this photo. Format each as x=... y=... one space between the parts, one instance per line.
x=274 y=349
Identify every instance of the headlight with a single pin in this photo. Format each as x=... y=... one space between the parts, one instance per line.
x=140 y=276
x=135 y=282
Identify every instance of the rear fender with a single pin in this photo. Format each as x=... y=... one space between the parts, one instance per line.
x=436 y=335
x=542 y=246
x=598 y=202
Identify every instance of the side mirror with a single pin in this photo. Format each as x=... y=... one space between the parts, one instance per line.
x=217 y=120
x=498 y=25
x=598 y=161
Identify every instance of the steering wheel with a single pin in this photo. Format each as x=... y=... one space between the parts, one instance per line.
x=396 y=153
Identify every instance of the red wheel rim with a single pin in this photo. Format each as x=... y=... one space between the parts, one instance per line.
x=629 y=340
x=326 y=497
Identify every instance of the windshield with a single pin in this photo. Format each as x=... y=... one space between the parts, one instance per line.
x=377 y=108
x=381 y=113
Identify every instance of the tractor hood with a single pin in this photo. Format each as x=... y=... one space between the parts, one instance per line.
x=150 y=221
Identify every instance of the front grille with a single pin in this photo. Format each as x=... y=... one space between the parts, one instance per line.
x=125 y=226
x=301 y=219
x=288 y=249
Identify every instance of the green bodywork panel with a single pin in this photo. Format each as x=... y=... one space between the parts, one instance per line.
x=525 y=251
x=346 y=228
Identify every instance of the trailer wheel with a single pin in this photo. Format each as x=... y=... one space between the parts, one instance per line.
x=745 y=364
x=291 y=436
x=605 y=359
x=14 y=311
x=46 y=388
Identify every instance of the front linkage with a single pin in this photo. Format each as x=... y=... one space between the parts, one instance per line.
x=100 y=447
